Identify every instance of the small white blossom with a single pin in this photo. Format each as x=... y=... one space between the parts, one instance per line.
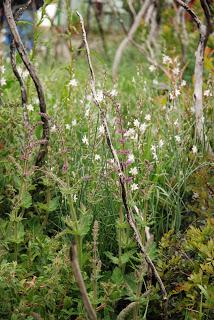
x=176 y=123
x=133 y=171
x=143 y=127
x=134 y=187
x=177 y=138
x=74 y=122
x=155 y=82
x=131 y=158
x=207 y=93
x=166 y=59
x=194 y=149
x=97 y=157
x=2 y=69
x=147 y=117
x=53 y=128
x=85 y=140
x=30 y=107
x=75 y=198
x=176 y=71
x=130 y=132
x=161 y=143
x=136 y=123
x=3 y=82
x=153 y=148
x=183 y=83
x=152 y=68
x=177 y=92
x=73 y=83
x=101 y=130
x=99 y=96
x=113 y=93
x=68 y=126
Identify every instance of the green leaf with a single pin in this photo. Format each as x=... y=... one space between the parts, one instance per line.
x=115 y=260
x=26 y=200
x=117 y=276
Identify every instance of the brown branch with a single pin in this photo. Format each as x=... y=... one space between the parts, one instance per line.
x=80 y=282
x=121 y=174
x=23 y=54
x=191 y=12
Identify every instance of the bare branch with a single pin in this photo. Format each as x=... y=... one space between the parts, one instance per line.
x=23 y=54
x=80 y=282
x=121 y=175
x=191 y=13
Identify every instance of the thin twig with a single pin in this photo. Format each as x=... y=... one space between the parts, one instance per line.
x=191 y=12
x=121 y=175
x=23 y=54
x=80 y=282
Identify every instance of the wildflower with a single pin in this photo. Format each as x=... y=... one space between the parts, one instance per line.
x=166 y=59
x=89 y=97
x=85 y=140
x=99 y=96
x=68 y=126
x=134 y=187
x=153 y=148
x=30 y=107
x=130 y=132
x=177 y=138
x=207 y=93
x=73 y=83
x=194 y=149
x=131 y=158
x=183 y=83
x=2 y=69
x=74 y=122
x=133 y=171
x=147 y=117
x=75 y=198
x=3 y=82
x=152 y=68
x=101 y=130
x=161 y=143
x=155 y=82
x=53 y=128
x=177 y=92
x=137 y=123
x=113 y=93
x=176 y=123
x=176 y=71
x=97 y=157
x=143 y=127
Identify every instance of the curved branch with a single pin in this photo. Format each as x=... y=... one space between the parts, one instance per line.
x=191 y=13
x=23 y=54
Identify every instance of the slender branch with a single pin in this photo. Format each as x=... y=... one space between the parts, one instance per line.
x=80 y=282
x=121 y=174
x=191 y=13
x=208 y=12
x=23 y=54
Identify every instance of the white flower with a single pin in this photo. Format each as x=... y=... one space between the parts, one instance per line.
x=53 y=128
x=176 y=71
x=113 y=93
x=194 y=149
x=75 y=198
x=68 y=126
x=3 y=82
x=155 y=157
x=73 y=83
x=97 y=157
x=143 y=127
x=207 y=93
x=30 y=107
x=178 y=139
x=131 y=158
x=133 y=171
x=136 y=123
x=2 y=69
x=155 y=82
x=166 y=59
x=161 y=143
x=89 y=97
x=153 y=148
x=74 y=122
x=134 y=187
x=177 y=92
x=176 y=123
x=147 y=117
x=85 y=140
x=99 y=96
x=183 y=83
x=130 y=132
x=152 y=68
x=101 y=130
x=25 y=74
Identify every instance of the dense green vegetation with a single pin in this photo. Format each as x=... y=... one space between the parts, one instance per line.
x=76 y=194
